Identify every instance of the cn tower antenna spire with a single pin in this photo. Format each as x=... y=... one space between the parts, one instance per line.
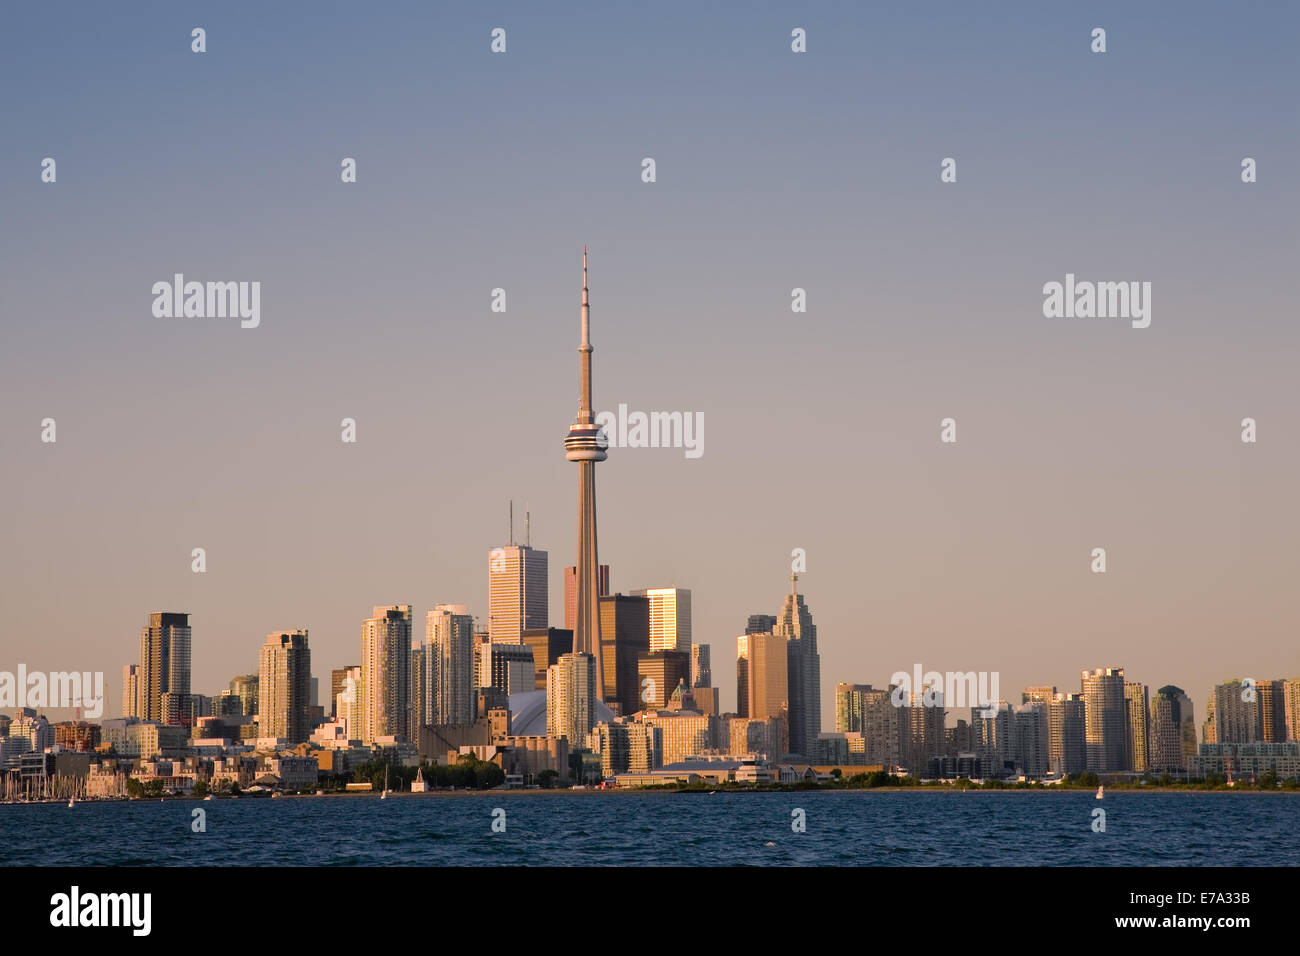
x=586 y=444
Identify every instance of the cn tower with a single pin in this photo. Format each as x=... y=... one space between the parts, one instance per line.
x=586 y=445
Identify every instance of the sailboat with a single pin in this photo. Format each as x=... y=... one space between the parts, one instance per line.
x=384 y=795
x=1101 y=793
x=72 y=800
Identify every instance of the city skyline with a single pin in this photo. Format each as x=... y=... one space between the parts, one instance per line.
x=922 y=303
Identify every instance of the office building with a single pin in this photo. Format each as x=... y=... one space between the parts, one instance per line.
x=625 y=636
x=517 y=592
x=795 y=624
x=659 y=673
x=701 y=672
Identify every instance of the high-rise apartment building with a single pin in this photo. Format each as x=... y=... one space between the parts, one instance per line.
x=863 y=709
x=1138 y=736
x=1171 y=720
x=571 y=696
x=1105 y=719
x=244 y=687
x=385 y=665
x=1031 y=738
x=1272 y=711
x=284 y=687
x=130 y=690
x=1234 y=714
x=164 y=665
x=1041 y=694
x=1291 y=707
x=450 y=642
x=350 y=702
x=337 y=676
x=517 y=592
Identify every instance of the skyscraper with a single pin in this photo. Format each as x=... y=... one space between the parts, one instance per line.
x=1068 y=743
x=1272 y=711
x=701 y=672
x=517 y=592
x=863 y=709
x=245 y=688
x=659 y=674
x=385 y=660
x=795 y=624
x=670 y=618
x=1031 y=737
x=1171 y=719
x=337 y=676
x=418 y=696
x=571 y=592
x=1105 y=719
x=760 y=624
x=625 y=636
x=130 y=690
x=1138 y=738
x=571 y=688
x=1234 y=714
x=586 y=444
x=547 y=644
x=164 y=663
x=763 y=661
x=284 y=686
x=1291 y=707
x=350 y=702
x=450 y=642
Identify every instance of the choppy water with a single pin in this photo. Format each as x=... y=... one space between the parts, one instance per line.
x=647 y=829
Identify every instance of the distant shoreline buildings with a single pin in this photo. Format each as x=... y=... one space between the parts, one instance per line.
x=622 y=692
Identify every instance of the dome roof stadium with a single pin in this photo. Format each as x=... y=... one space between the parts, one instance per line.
x=528 y=713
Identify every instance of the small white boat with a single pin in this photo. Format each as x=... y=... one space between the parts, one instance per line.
x=72 y=801
x=1101 y=793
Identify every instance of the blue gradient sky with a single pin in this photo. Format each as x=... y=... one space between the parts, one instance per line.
x=774 y=171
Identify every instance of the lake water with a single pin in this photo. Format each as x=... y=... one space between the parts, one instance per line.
x=869 y=828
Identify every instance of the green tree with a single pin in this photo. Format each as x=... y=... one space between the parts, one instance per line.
x=200 y=788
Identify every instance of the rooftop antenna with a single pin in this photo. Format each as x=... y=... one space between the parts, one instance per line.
x=528 y=529
x=512 y=522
